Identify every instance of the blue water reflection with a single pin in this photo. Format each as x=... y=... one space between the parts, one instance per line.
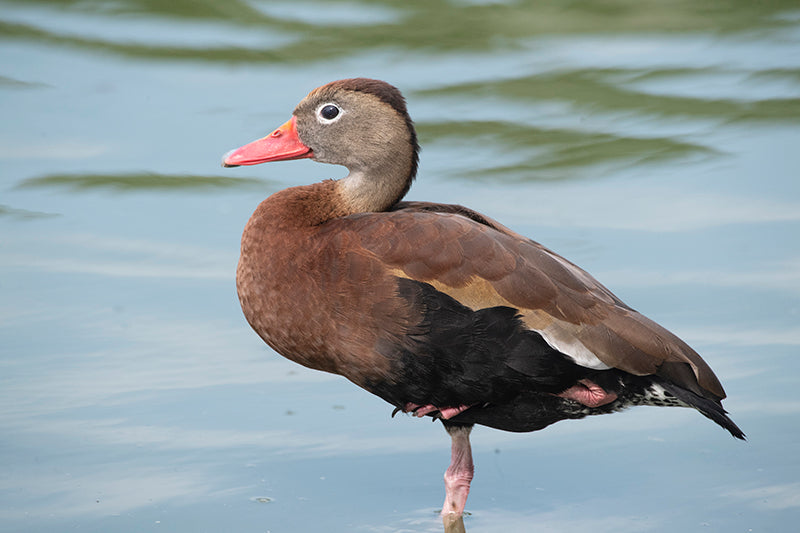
x=656 y=147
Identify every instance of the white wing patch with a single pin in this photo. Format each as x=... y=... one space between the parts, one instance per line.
x=571 y=346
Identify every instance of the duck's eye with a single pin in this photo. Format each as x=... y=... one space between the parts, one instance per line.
x=329 y=112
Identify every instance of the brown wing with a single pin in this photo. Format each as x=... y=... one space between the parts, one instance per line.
x=481 y=263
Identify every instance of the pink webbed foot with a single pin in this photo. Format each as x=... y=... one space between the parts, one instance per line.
x=589 y=394
x=422 y=410
x=459 y=474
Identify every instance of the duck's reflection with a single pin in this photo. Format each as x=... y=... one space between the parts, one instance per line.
x=453 y=523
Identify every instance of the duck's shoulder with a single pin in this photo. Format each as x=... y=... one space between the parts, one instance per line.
x=453 y=209
x=450 y=245
x=431 y=241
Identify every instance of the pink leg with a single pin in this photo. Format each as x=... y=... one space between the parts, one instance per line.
x=459 y=474
x=589 y=394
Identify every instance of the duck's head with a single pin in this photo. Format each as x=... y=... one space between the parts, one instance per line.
x=360 y=123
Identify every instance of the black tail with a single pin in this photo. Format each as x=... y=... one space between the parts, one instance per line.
x=709 y=408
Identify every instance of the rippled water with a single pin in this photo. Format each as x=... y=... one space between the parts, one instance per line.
x=657 y=144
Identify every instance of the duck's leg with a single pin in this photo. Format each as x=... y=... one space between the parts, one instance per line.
x=459 y=474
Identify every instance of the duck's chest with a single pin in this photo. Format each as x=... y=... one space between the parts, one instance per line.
x=313 y=298
x=277 y=283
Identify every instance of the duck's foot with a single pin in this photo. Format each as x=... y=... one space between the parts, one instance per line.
x=421 y=410
x=589 y=394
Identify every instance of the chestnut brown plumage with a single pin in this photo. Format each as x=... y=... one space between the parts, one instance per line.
x=435 y=308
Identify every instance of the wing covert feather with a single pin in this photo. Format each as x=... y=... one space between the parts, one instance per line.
x=483 y=264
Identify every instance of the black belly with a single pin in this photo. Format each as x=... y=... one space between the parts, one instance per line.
x=484 y=358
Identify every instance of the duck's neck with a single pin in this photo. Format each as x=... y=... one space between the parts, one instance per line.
x=362 y=193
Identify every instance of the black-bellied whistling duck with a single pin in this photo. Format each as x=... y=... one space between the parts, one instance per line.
x=437 y=309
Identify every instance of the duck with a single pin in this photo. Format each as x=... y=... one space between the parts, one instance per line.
x=439 y=310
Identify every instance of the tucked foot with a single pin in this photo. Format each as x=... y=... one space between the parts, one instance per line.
x=589 y=394
x=422 y=410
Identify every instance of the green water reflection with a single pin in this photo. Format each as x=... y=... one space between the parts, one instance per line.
x=423 y=26
x=139 y=181
x=614 y=91
x=553 y=153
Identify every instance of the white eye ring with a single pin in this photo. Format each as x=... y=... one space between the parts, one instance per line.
x=328 y=113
